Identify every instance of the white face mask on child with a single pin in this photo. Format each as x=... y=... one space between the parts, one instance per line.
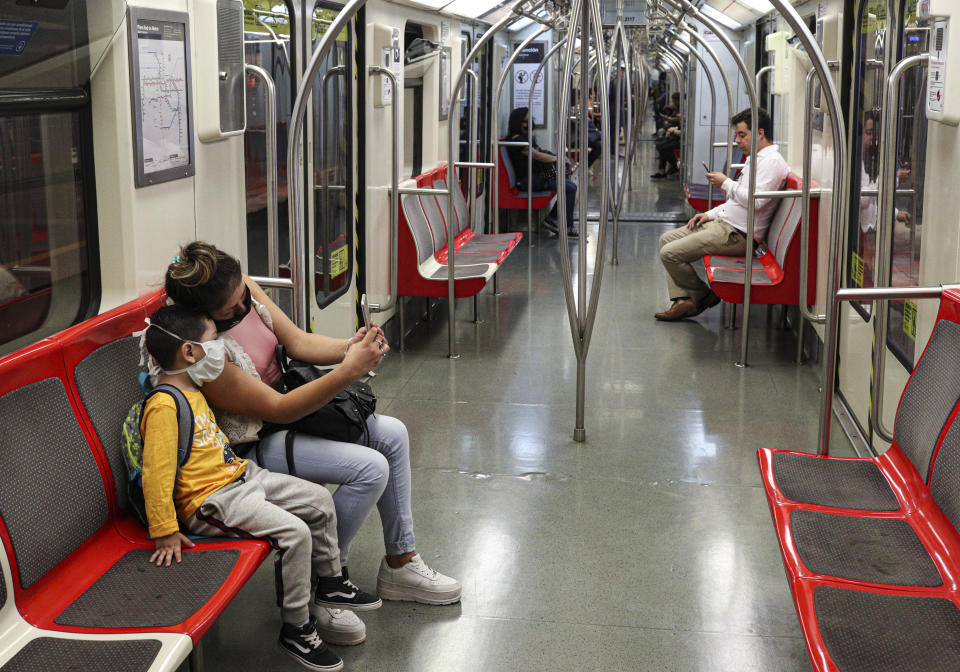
x=210 y=367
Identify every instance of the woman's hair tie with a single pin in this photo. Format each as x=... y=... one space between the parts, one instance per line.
x=176 y=260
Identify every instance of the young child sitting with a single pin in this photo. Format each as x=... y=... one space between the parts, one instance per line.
x=216 y=493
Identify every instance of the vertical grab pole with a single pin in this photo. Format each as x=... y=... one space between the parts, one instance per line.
x=451 y=176
x=473 y=151
x=298 y=271
x=582 y=317
x=713 y=107
x=885 y=219
x=752 y=177
x=495 y=137
x=394 y=192
x=270 y=104
x=683 y=63
x=533 y=86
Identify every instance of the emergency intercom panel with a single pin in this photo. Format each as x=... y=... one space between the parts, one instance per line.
x=387 y=53
x=943 y=70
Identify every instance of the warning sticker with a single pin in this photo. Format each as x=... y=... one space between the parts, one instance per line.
x=338 y=261
x=15 y=36
x=910 y=319
x=856 y=268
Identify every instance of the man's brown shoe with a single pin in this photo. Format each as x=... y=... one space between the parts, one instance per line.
x=680 y=309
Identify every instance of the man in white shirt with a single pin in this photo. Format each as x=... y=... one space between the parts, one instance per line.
x=722 y=230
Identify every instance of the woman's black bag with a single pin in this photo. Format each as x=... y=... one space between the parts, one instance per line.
x=344 y=418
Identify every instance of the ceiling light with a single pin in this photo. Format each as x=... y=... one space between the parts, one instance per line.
x=720 y=18
x=520 y=23
x=471 y=9
x=762 y=6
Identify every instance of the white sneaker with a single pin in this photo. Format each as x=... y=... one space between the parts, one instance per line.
x=415 y=582
x=339 y=626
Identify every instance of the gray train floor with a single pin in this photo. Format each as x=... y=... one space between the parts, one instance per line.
x=649 y=547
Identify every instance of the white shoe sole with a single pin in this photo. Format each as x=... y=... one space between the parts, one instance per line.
x=349 y=607
x=342 y=638
x=310 y=666
x=402 y=593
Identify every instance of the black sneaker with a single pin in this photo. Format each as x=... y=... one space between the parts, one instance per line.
x=550 y=225
x=339 y=592
x=305 y=645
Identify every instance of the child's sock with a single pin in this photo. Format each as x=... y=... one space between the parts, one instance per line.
x=300 y=625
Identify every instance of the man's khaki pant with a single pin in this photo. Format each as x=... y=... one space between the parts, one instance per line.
x=681 y=246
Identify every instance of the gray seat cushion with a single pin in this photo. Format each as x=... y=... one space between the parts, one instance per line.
x=846 y=484
x=136 y=594
x=53 y=653
x=730 y=275
x=882 y=550
x=930 y=397
x=52 y=497
x=870 y=632
x=462 y=272
x=108 y=385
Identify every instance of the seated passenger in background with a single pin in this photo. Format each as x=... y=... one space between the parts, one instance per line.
x=722 y=230
x=215 y=493
x=544 y=169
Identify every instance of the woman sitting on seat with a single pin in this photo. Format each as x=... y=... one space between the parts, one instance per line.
x=247 y=394
x=544 y=169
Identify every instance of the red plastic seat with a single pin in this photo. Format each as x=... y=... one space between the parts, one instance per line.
x=776 y=275
x=870 y=546
x=511 y=198
x=85 y=571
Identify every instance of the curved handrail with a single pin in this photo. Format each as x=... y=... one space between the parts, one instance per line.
x=270 y=105
x=885 y=218
x=394 y=193
x=533 y=86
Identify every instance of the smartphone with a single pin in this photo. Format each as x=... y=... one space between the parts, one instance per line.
x=705 y=166
x=365 y=307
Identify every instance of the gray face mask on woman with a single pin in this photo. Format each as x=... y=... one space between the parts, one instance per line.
x=207 y=369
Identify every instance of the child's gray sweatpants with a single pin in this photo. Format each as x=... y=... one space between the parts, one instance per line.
x=295 y=516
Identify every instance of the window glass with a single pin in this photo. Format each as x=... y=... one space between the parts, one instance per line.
x=44 y=274
x=333 y=162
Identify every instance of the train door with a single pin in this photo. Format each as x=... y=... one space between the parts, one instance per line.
x=888 y=33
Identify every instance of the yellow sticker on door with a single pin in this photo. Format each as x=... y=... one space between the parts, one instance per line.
x=856 y=268
x=338 y=260
x=910 y=319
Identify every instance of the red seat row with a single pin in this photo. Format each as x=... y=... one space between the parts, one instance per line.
x=871 y=546
x=75 y=573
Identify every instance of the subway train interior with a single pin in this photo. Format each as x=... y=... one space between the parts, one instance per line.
x=618 y=450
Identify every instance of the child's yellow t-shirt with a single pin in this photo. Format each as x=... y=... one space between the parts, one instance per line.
x=210 y=466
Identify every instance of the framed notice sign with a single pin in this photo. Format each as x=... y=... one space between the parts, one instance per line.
x=160 y=91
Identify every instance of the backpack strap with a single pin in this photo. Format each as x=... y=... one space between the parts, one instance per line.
x=288 y=444
x=184 y=420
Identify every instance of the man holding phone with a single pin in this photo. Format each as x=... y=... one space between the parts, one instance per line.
x=722 y=230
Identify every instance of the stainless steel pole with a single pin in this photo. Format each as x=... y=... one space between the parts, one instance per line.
x=451 y=175
x=533 y=86
x=726 y=84
x=885 y=224
x=394 y=191
x=713 y=107
x=270 y=130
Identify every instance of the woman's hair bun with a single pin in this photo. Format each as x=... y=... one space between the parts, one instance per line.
x=195 y=265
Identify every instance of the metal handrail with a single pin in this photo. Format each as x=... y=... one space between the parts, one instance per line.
x=582 y=315
x=678 y=70
x=495 y=133
x=394 y=193
x=617 y=179
x=683 y=63
x=533 y=86
x=298 y=269
x=451 y=175
x=713 y=108
x=752 y=177
x=270 y=106
x=805 y=311
x=726 y=83
x=474 y=151
x=885 y=218
x=321 y=146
